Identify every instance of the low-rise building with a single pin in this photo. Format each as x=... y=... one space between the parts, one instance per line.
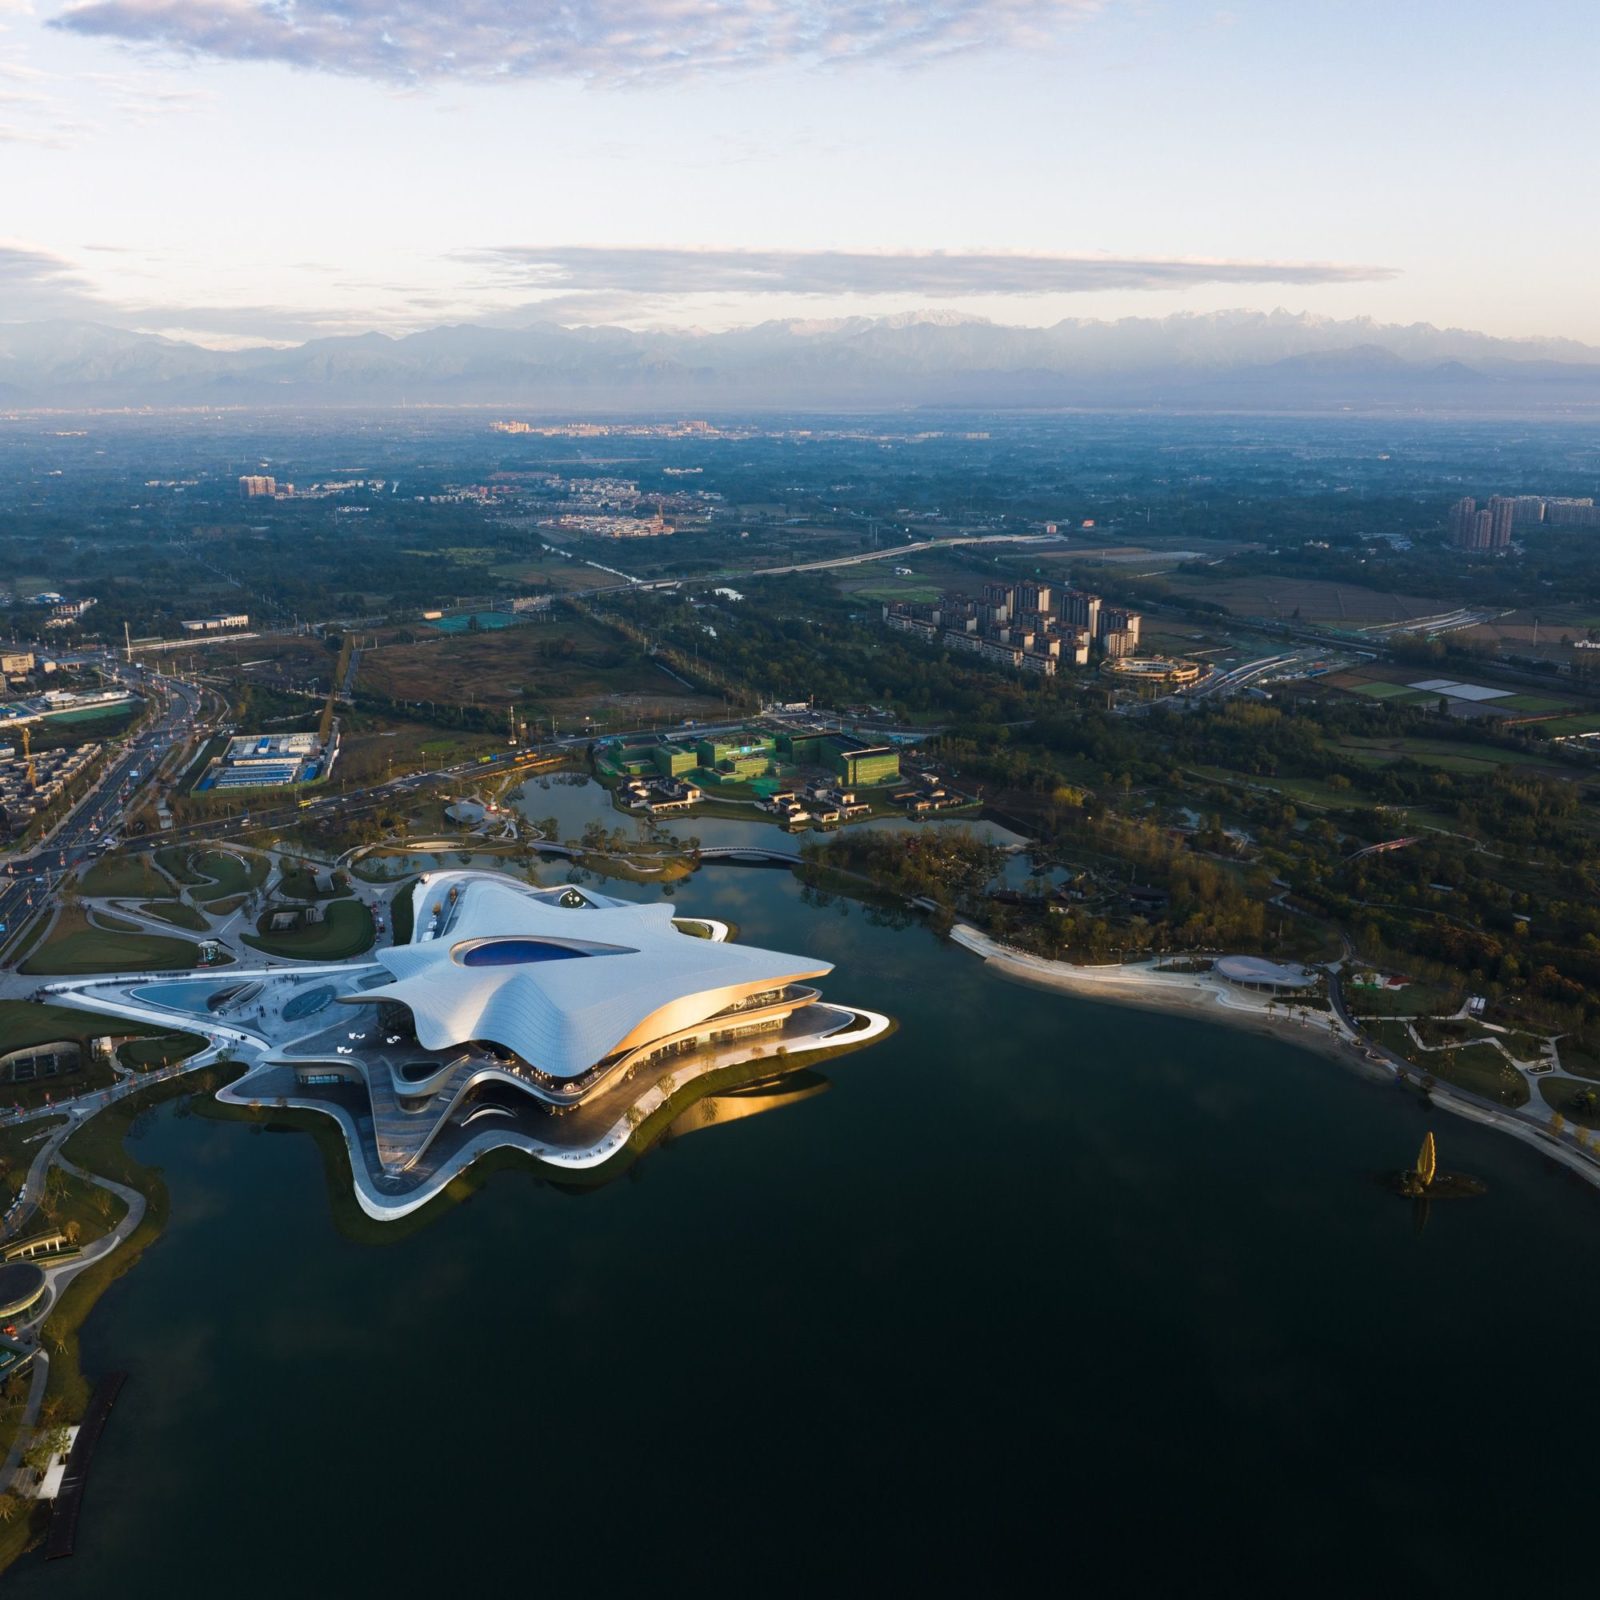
x=220 y=623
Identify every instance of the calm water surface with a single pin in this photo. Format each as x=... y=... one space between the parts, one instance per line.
x=1038 y=1292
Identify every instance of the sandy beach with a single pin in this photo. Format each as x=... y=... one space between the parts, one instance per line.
x=1162 y=989
x=1144 y=984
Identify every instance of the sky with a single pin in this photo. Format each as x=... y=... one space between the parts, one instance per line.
x=246 y=171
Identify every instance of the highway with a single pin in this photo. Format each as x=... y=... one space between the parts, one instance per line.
x=28 y=880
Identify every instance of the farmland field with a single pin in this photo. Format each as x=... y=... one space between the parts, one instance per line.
x=1305 y=599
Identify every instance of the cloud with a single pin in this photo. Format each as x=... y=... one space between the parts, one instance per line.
x=36 y=285
x=596 y=41
x=935 y=274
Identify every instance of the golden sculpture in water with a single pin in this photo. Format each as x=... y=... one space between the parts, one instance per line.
x=1425 y=1182
x=1427 y=1160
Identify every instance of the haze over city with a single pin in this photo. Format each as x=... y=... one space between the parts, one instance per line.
x=243 y=172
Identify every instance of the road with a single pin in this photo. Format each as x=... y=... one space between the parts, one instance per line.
x=28 y=880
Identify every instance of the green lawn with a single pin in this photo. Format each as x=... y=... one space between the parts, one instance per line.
x=1583 y=722
x=1381 y=691
x=1576 y=1060
x=1449 y=755
x=1393 y=1036
x=1433 y=1031
x=1481 y=1068
x=346 y=930
x=1524 y=1046
x=1571 y=1101
x=1416 y=999
x=905 y=589
x=160 y=1051
x=18 y=1147
x=1531 y=702
x=401 y=915
x=113 y=923
x=94 y=1073
x=24 y=1022
x=74 y=948
x=174 y=859
x=299 y=882
x=177 y=913
x=1308 y=791
x=126 y=877
x=228 y=874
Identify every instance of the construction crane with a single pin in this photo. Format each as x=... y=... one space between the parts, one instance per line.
x=27 y=756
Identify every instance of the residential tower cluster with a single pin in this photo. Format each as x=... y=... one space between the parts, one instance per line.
x=1032 y=626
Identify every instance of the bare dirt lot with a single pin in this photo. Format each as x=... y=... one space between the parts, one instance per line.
x=569 y=667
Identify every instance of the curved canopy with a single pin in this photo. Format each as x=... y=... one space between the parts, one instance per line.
x=563 y=984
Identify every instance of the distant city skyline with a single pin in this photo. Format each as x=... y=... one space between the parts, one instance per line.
x=235 y=172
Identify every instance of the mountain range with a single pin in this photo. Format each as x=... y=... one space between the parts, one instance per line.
x=1253 y=361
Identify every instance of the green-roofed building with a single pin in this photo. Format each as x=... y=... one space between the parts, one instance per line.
x=803 y=749
x=675 y=760
x=747 y=754
x=860 y=765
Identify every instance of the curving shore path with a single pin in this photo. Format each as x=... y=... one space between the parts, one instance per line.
x=1331 y=1033
x=57 y=1278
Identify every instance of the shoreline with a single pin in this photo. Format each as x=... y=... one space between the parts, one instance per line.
x=1195 y=993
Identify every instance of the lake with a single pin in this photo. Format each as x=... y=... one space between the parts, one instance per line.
x=1037 y=1292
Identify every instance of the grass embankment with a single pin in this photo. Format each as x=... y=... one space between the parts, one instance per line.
x=18 y=1146
x=402 y=916
x=173 y=859
x=1575 y=1102
x=92 y=1073
x=126 y=877
x=26 y=1022
x=637 y=868
x=161 y=1050
x=76 y=947
x=1478 y=1066
x=227 y=874
x=96 y=1147
x=345 y=930
x=177 y=913
x=99 y=1147
x=1415 y=1000
x=28 y=936
x=1482 y=1069
x=299 y=882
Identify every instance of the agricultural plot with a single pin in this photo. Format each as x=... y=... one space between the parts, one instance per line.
x=1304 y=599
x=1445 y=755
x=565 y=666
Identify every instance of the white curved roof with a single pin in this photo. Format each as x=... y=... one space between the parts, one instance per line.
x=562 y=1015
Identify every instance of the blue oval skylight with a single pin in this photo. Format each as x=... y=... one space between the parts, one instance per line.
x=520 y=952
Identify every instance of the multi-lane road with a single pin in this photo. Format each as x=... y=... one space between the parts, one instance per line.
x=28 y=880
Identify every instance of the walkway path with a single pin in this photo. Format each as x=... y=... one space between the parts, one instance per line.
x=58 y=1278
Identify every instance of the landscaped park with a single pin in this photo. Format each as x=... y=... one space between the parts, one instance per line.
x=133 y=911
